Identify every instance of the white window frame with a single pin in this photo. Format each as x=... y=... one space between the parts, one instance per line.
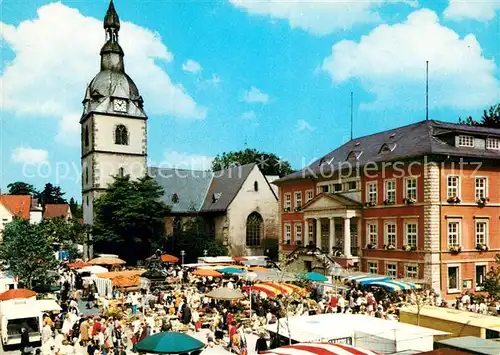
x=287 y=203
x=392 y=190
x=407 y=241
x=355 y=187
x=370 y=234
x=459 y=278
x=477 y=222
x=485 y=265
x=371 y=195
x=493 y=143
x=389 y=273
x=298 y=232
x=413 y=189
x=287 y=235
x=386 y=232
x=481 y=191
x=450 y=188
x=458 y=232
x=466 y=141
x=297 y=199
x=333 y=188
x=310 y=231
x=369 y=265
x=414 y=273
x=309 y=195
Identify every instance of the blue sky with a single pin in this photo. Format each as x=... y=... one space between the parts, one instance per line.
x=218 y=74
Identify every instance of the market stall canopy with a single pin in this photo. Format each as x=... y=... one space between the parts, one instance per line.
x=107 y=260
x=167 y=258
x=366 y=278
x=231 y=270
x=227 y=294
x=78 y=265
x=392 y=285
x=319 y=348
x=126 y=273
x=313 y=276
x=126 y=281
x=19 y=293
x=49 y=306
x=274 y=289
x=258 y=269
x=207 y=273
x=94 y=269
x=240 y=259
x=169 y=343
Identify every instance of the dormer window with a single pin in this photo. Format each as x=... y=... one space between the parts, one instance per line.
x=493 y=143
x=466 y=141
x=387 y=148
x=216 y=197
x=354 y=155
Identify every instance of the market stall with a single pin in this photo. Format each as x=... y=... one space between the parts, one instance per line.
x=392 y=285
x=319 y=348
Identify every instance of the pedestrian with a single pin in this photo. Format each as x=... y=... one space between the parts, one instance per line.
x=261 y=344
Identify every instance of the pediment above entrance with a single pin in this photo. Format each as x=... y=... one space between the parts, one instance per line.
x=325 y=201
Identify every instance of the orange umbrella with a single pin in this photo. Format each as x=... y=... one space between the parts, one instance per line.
x=166 y=258
x=17 y=294
x=126 y=281
x=207 y=272
x=258 y=268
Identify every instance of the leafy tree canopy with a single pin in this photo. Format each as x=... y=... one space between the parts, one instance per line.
x=195 y=236
x=129 y=218
x=269 y=163
x=51 y=194
x=491 y=118
x=21 y=188
x=76 y=209
x=491 y=283
x=29 y=254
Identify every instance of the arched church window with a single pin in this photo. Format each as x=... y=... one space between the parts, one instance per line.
x=121 y=172
x=255 y=227
x=86 y=138
x=121 y=135
x=255 y=186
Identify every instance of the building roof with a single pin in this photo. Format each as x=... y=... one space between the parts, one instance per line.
x=224 y=187
x=18 y=205
x=474 y=344
x=414 y=140
x=56 y=210
x=454 y=315
x=444 y=351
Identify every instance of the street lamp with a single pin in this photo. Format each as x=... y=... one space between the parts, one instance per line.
x=182 y=257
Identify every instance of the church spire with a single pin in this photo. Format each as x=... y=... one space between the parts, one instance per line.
x=111 y=53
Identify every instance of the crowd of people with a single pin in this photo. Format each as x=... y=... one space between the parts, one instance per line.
x=113 y=326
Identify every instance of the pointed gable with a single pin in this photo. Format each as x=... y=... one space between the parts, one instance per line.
x=57 y=210
x=17 y=205
x=330 y=201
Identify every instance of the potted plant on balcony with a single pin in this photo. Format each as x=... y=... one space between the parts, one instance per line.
x=298 y=242
x=454 y=199
x=287 y=241
x=482 y=201
x=409 y=200
x=371 y=246
x=286 y=209
x=389 y=246
x=408 y=247
x=297 y=209
x=389 y=202
x=370 y=204
x=481 y=247
x=455 y=249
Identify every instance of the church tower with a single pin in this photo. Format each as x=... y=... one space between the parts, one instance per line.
x=113 y=123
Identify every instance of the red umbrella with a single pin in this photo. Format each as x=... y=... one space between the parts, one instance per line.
x=16 y=294
x=240 y=259
x=166 y=258
x=78 y=265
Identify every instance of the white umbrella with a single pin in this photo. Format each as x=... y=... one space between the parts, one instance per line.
x=224 y=293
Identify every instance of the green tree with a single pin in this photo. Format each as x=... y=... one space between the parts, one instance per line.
x=29 y=254
x=130 y=218
x=491 y=283
x=491 y=118
x=196 y=236
x=76 y=209
x=269 y=163
x=21 y=188
x=66 y=234
x=51 y=194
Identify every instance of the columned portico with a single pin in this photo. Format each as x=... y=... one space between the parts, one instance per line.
x=347 y=238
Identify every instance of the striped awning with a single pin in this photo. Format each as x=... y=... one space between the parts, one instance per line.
x=272 y=289
x=393 y=285
x=363 y=279
x=319 y=349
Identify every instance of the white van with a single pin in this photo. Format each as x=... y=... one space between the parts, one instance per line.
x=18 y=314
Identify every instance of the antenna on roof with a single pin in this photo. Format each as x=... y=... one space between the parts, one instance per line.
x=427 y=90
x=352 y=101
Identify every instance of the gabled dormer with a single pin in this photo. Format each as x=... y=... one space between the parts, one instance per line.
x=387 y=148
x=354 y=155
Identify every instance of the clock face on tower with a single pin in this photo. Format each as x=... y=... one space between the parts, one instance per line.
x=120 y=105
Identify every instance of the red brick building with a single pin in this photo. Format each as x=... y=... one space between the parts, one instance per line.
x=419 y=202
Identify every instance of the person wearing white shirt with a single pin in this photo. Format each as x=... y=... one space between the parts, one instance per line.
x=230 y=285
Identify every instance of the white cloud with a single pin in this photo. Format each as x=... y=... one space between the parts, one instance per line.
x=53 y=65
x=191 y=66
x=319 y=17
x=27 y=155
x=180 y=160
x=481 y=10
x=214 y=80
x=255 y=95
x=390 y=61
x=303 y=125
x=249 y=115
